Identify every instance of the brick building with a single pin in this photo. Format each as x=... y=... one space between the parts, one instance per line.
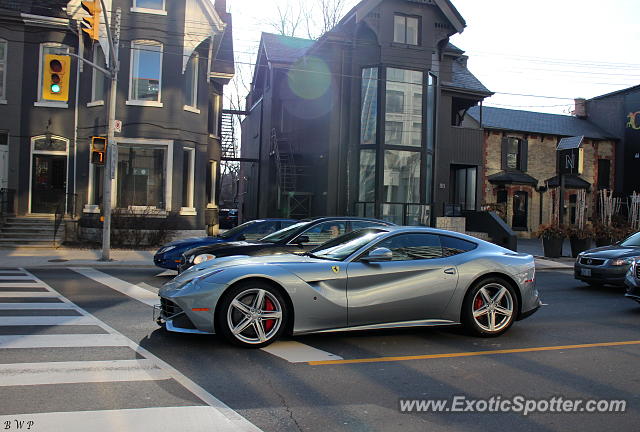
x=520 y=161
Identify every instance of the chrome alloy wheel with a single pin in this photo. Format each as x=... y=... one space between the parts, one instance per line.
x=254 y=316
x=492 y=307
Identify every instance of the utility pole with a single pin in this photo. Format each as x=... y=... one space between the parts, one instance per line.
x=111 y=155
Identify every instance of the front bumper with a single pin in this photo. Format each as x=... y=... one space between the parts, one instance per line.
x=173 y=318
x=600 y=274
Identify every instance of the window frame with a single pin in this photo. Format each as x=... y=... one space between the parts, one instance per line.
x=405 y=18
x=212 y=180
x=138 y=102
x=40 y=101
x=95 y=73
x=189 y=209
x=136 y=8
x=518 y=144
x=195 y=64
x=214 y=123
x=3 y=61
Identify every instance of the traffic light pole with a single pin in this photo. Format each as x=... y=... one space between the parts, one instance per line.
x=111 y=154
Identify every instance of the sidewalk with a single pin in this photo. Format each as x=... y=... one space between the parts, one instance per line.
x=64 y=257
x=534 y=247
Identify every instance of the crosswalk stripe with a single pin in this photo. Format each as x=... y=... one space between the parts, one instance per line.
x=21 y=374
x=20 y=285
x=15 y=277
x=27 y=294
x=161 y=419
x=62 y=341
x=142 y=295
x=296 y=352
x=47 y=320
x=18 y=306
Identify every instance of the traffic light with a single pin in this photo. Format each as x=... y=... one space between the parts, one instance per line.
x=91 y=24
x=98 y=150
x=56 y=74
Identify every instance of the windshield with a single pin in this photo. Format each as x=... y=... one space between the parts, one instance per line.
x=283 y=234
x=233 y=231
x=631 y=241
x=340 y=248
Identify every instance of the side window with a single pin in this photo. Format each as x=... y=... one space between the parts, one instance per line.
x=356 y=225
x=454 y=246
x=407 y=247
x=324 y=232
x=259 y=230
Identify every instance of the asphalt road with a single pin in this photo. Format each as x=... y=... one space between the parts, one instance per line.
x=572 y=348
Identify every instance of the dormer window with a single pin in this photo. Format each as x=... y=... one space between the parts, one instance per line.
x=405 y=29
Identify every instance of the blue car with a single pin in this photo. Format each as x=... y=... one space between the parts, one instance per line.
x=168 y=256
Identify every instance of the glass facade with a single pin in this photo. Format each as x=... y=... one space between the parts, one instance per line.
x=403 y=113
x=367 y=190
x=401 y=176
x=141 y=176
x=369 y=111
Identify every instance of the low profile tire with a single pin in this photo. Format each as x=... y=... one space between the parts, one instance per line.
x=489 y=308
x=252 y=315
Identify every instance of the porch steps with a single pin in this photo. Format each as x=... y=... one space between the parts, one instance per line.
x=29 y=231
x=480 y=235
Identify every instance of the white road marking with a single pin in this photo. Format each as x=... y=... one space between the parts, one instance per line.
x=216 y=417
x=47 y=320
x=18 y=306
x=21 y=285
x=63 y=341
x=16 y=277
x=296 y=352
x=133 y=291
x=11 y=272
x=162 y=419
x=150 y=288
x=28 y=294
x=167 y=273
x=20 y=374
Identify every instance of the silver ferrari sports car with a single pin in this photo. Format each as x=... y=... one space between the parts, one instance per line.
x=367 y=279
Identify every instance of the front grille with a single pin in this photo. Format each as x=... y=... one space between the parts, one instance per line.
x=591 y=261
x=169 y=308
x=638 y=269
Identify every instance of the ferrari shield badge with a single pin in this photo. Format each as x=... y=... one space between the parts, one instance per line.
x=336 y=269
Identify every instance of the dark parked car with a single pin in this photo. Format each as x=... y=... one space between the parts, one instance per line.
x=300 y=237
x=608 y=264
x=169 y=255
x=228 y=218
x=633 y=280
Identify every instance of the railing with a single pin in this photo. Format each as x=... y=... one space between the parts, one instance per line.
x=66 y=206
x=398 y=213
x=6 y=202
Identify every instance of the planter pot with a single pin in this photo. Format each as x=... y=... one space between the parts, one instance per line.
x=552 y=246
x=579 y=245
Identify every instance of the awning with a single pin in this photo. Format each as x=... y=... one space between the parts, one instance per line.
x=570 y=182
x=512 y=177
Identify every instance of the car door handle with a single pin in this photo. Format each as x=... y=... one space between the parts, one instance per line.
x=450 y=271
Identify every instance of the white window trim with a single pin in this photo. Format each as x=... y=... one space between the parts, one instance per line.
x=3 y=97
x=218 y=114
x=213 y=179
x=131 y=101
x=49 y=152
x=94 y=75
x=162 y=11
x=190 y=208
x=169 y=168
x=41 y=102
x=195 y=64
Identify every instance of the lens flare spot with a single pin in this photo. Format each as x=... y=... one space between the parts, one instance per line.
x=309 y=78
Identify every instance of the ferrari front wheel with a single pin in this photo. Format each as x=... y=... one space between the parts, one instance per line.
x=252 y=315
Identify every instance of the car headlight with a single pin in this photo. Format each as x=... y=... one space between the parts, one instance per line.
x=166 y=249
x=202 y=258
x=621 y=261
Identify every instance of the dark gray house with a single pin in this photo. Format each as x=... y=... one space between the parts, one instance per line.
x=619 y=114
x=175 y=58
x=364 y=121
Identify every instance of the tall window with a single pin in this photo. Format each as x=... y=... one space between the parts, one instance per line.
x=191 y=82
x=403 y=116
x=367 y=191
x=214 y=114
x=3 y=69
x=188 y=165
x=46 y=49
x=465 y=186
x=98 y=78
x=141 y=176
x=604 y=173
x=212 y=177
x=369 y=109
x=146 y=71
x=406 y=29
x=513 y=154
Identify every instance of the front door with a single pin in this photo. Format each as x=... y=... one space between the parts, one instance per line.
x=48 y=183
x=520 y=210
x=416 y=285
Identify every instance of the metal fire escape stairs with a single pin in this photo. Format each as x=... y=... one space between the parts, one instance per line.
x=291 y=202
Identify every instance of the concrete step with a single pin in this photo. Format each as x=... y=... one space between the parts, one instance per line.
x=29 y=223
x=25 y=228
x=480 y=235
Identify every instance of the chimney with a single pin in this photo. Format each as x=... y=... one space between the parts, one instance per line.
x=580 y=109
x=220 y=6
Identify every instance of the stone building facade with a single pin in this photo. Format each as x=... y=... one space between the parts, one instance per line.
x=520 y=167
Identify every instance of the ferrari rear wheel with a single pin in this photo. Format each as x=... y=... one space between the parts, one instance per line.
x=490 y=308
x=252 y=315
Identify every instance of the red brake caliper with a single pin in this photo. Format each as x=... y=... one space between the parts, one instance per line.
x=477 y=304
x=268 y=306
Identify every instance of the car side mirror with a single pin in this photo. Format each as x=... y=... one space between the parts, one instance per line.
x=302 y=239
x=378 y=255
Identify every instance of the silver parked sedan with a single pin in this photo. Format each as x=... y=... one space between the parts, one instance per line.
x=372 y=278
